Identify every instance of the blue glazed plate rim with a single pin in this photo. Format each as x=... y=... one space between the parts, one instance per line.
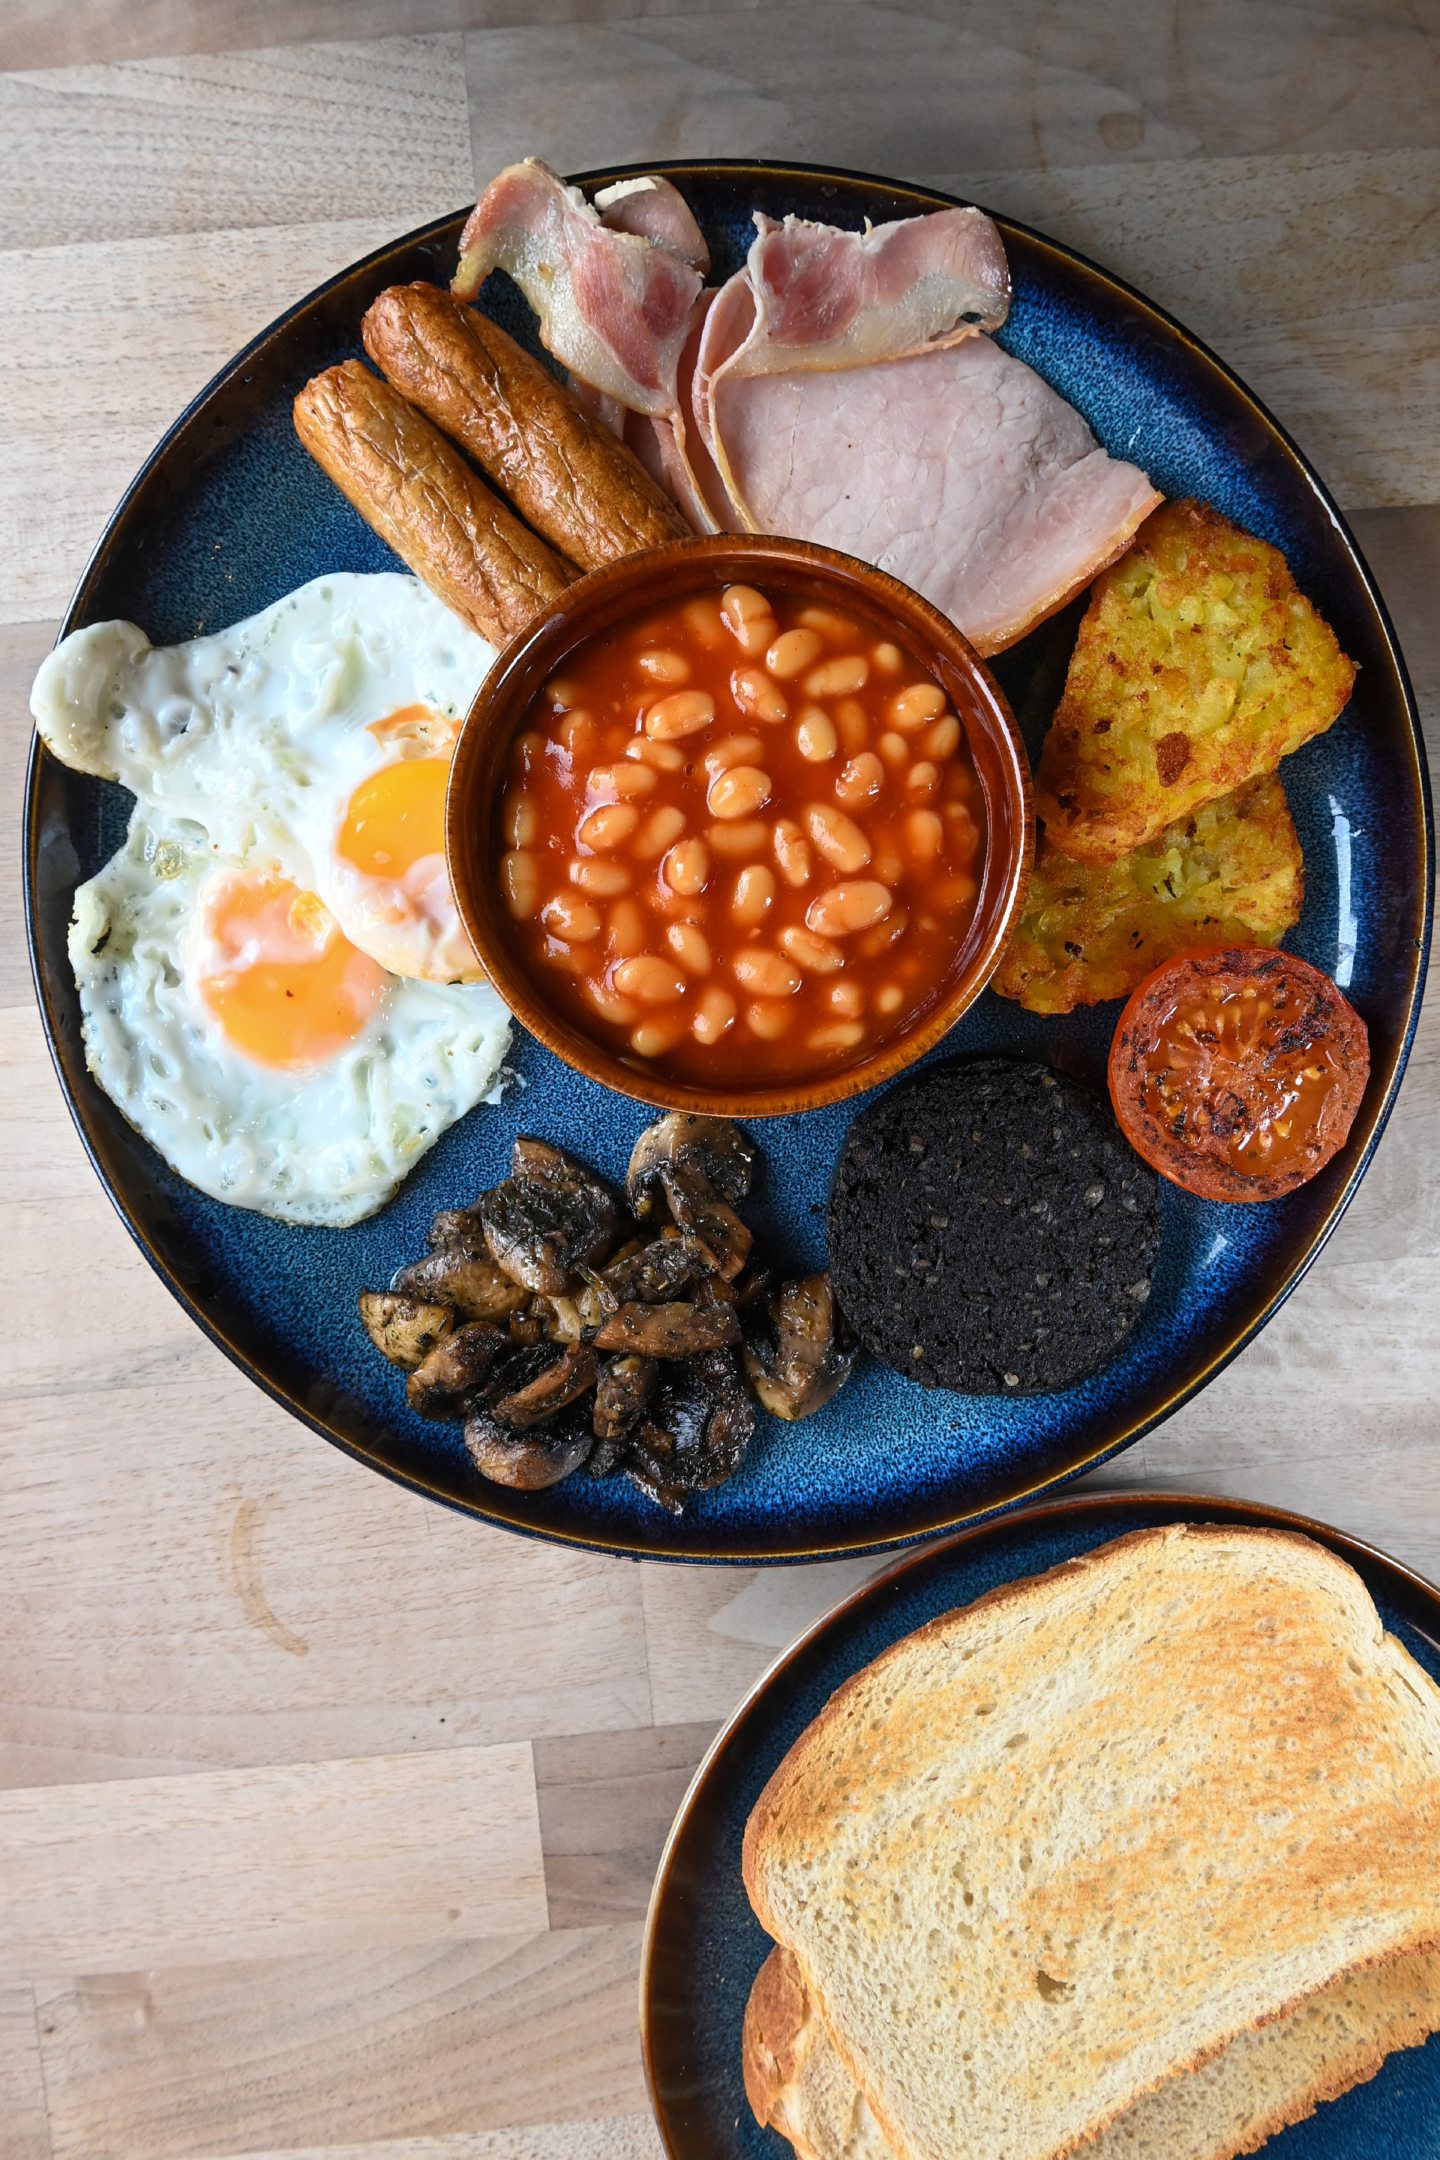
x=494 y=1508
x=1072 y=1511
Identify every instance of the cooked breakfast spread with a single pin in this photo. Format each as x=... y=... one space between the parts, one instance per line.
x=743 y=837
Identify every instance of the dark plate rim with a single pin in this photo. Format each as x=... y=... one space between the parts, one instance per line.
x=759 y=1552
x=1246 y=1513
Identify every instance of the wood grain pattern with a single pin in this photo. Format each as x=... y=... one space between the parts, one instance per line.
x=24 y=2123
x=326 y=1817
x=386 y=2043
x=607 y=1801
x=102 y=1877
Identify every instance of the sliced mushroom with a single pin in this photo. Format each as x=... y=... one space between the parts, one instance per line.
x=677 y=1330
x=462 y=1274
x=624 y=1386
x=710 y=1221
x=567 y=1376
x=455 y=1370
x=657 y=1273
x=808 y=1356
x=549 y=1218
x=695 y=1433
x=455 y=1226
x=713 y=1146
x=404 y=1329
x=526 y=1461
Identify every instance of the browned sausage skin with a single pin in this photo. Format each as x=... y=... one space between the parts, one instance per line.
x=421 y=497
x=564 y=472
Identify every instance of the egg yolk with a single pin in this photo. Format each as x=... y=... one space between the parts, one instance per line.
x=396 y=818
x=280 y=978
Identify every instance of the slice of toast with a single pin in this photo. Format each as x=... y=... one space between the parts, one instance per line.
x=1263 y=2081
x=1055 y=1848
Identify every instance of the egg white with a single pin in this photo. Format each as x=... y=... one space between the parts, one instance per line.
x=260 y=734
x=243 y=749
x=325 y=1145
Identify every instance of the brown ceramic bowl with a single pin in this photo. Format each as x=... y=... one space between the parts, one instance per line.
x=627 y=588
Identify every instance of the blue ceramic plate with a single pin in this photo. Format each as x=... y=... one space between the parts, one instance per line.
x=704 y=1946
x=230 y=513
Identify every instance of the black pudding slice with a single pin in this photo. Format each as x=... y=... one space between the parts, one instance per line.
x=990 y=1230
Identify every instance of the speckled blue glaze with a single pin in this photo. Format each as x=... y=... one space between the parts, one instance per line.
x=706 y=1946
x=230 y=514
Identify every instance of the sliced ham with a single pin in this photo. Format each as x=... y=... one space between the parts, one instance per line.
x=827 y=298
x=673 y=449
x=614 y=306
x=658 y=212
x=960 y=471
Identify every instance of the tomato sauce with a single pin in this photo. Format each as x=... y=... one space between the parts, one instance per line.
x=744 y=837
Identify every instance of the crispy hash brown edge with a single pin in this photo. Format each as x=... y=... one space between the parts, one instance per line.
x=1147 y=728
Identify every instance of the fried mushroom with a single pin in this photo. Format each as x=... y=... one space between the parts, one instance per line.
x=715 y=1147
x=455 y=1370
x=695 y=1434
x=623 y=1388
x=806 y=1356
x=549 y=1218
x=677 y=1330
x=563 y=1380
x=404 y=1329
x=526 y=1461
x=460 y=1272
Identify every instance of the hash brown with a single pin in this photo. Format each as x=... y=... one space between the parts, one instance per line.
x=1198 y=666
x=1231 y=873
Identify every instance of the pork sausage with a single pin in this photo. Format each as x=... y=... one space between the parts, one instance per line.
x=414 y=489
x=574 y=481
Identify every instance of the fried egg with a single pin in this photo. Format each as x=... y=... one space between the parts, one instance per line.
x=270 y=970
x=317 y=734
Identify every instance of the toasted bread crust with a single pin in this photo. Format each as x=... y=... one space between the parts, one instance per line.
x=782 y=2027
x=772 y=1815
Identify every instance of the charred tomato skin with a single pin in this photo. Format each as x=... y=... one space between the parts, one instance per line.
x=1298 y=1071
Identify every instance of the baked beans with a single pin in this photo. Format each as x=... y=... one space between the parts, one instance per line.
x=742 y=835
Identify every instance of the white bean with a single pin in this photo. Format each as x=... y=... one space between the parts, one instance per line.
x=604 y=879
x=815 y=736
x=687 y=866
x=848 y=908
x=690 y=946
x=833 y=678
x=520 y=878
x=653 y=1037
x=792 y=852
x=756 y=694
x=608 y=826
x=817 y=955
x=910 y=709
x=714 y=1014
x=768 y=1018
x=732 y=750
x=754 y=894
x=793 y=650
x=766 y=973
x=577 y=921
x=624 y=779
x=861 y=780
x=652 y=980
x=664 y=756
x=839 y=839
x=661 y=830
x=684 y=712
x=661 y=665
x=739 y=792
x=625 y=929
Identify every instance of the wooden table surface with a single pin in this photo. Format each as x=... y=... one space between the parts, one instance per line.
x=327 y=1817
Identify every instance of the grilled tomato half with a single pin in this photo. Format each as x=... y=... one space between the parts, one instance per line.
x=1237 y=1072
